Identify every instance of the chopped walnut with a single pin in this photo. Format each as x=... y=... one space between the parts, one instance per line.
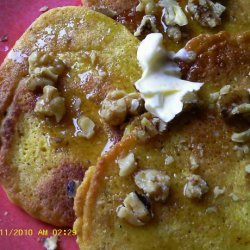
x=196 y=187
x=213 y=97
x=234 y=197
x=114 y=108
x=173 y=14
x=241 y=150
x=225 y=90
x=134 y=210
x=190 y=100
x=159 y=124
x=92 y=56
x=241 y=109
x=44 y=70
x=147 y=26
x=218 y=191
x=169 y=160
x=193 y=162
x=247 y=169
x=135 y=104
x=174 y=33
x=154 y=183
x=234 y=103
x=206 y=12
x=241 y=137
x=211 y=210
x=150 y=128
x=148 y=6
x=127 y=164
x=50 y=103
x=173 y=17
x=87 y=127
x=118 y=105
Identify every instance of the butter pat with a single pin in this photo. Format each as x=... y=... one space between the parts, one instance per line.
x=161 y=85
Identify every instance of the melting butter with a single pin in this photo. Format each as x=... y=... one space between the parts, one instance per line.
x=161 y=85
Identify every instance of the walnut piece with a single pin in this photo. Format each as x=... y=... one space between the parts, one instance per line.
x=234 y=103
x=147 y=131
x=218 y=191
x=173 y=18
x=154 y=183
x=241 y=109
x=148 y=6
x=87 y=127
x=127 y=165
x=211 y=210
x=118 y=105
x=174 y=33
x=150 y=128
x=241 y=137
x=173 y=14
x=190 y=100
x=50 y=103
x=241 y=150
x=114 y=108
x=147 y=26
x=206 y=12
x=135 y=104
x=193 y=162
x=196 y=187
x=44 y=70
x=169 y=160
x=134 y=210
x=214 y=97
x=234 y=196
x=247 y=169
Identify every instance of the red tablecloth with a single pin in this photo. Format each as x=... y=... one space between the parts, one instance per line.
x=15 y=17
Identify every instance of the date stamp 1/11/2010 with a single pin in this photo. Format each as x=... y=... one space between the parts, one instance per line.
x=31 y=232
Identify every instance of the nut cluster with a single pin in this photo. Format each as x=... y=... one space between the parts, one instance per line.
x=149 y=128
x=50 y=103
x=196 y=187
x=154 y=183
x=206 y=12
x=134 y=210
x=118 y=106
x=43 y=70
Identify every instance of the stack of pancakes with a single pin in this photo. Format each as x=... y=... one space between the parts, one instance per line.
x=40 y=157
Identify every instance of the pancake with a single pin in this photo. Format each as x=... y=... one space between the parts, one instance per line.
x=84 y=55
x=235 y=18
x=209 y=200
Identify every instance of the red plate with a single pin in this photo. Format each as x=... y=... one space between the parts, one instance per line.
x=17 y=229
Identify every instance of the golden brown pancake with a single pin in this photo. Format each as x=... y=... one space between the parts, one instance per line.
x=181 y=222
x=40 y=157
